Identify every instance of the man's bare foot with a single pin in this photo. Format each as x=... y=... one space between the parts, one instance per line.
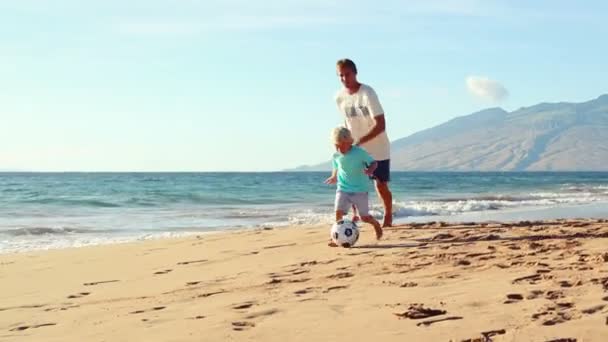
x=332 y=244
x=378 y=232
x=388 y=222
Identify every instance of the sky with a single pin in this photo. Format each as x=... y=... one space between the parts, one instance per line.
x=244 y=85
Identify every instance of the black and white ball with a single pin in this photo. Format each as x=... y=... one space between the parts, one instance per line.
x=344 y=233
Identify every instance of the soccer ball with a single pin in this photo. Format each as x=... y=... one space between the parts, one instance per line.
x=344 y=233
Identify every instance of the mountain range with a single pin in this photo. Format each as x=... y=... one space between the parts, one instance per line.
x=545 y=137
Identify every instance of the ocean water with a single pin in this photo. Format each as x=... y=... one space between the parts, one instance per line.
x=57 y=210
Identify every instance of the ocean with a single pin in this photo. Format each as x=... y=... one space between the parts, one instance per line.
x=58 y=210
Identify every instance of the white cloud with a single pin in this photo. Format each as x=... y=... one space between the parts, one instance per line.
x=486 y=89
x=157 y=28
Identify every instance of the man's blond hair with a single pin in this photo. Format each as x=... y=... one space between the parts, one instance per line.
x=340 y=134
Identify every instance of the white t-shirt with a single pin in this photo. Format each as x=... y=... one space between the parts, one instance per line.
x=359 y=109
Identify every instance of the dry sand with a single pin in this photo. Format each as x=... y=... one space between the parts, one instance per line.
x=526 y=281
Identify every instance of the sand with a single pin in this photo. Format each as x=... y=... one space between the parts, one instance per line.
x=525 y=281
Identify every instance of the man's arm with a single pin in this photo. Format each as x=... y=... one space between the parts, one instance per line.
x=379 y=127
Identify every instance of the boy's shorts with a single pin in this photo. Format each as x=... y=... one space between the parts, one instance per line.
x=344 y=200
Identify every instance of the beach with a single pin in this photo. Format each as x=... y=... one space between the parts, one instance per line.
x=434 y=281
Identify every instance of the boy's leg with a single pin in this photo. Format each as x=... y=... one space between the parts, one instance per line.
x=355 y=214
x=371 y=220
x=339 y=216
x=361 y=201
x=341 y=205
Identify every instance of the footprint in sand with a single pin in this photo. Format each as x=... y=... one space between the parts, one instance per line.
x=64 y=308
x=334 y=288
x=81 y=294
x=553 y=295
x=563 y=340
x=25 y=327
x=242 y=325
x=593 y=309
x=245 y=305
x=433 y=321
x=400 y=284
x=156 y=308
x=163 y=272
x=513 y=298
x=567 y=283
x=100 y=282
x=209 y=294
x=418 y=311
x=486 y=336
x=261 y=313
x=305 y=291
x=602 y=281
x=532 y=279
x=291 y=272
x=462 y=262
x=274 y=281
x=341 y=275
x=535 y=294
x=191 y=262
x=557 y=314
x=280 y=246
x=314 y=262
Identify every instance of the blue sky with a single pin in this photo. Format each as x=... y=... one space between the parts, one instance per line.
x=240 y=85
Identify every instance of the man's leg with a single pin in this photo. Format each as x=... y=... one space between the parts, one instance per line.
x=385 y=195
x=382 y=176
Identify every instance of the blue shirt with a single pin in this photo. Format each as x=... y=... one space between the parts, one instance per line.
x=350 y=168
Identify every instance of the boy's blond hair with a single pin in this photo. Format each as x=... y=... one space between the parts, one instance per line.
x=341 y=134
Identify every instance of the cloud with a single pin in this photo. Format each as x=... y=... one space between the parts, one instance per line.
x=213 y=16
x=486 y=89
x=225 y=23
x=158 y=28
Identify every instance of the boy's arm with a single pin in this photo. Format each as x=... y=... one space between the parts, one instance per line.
x=334 y=174
x=371 y=168
x=333 y=178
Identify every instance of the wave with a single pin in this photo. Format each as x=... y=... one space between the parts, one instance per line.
x=72 y=202
x=37 y=231
x=486 y=203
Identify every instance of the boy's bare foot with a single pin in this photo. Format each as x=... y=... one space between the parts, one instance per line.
x=332 y=244
x=378 y=230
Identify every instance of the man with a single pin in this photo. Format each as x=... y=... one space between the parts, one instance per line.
x=365 y=118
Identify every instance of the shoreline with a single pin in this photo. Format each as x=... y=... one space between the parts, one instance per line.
x=521 y=281
x=596 y=210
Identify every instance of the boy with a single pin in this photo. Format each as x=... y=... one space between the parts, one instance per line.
x=352 y=167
